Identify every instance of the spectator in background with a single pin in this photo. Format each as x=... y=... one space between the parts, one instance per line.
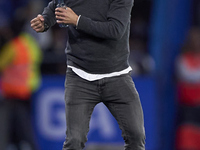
x=188 y=83
x=20 y=77
x=139 y=59
x=139 y=27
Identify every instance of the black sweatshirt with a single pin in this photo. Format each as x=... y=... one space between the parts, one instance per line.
x=100 y=42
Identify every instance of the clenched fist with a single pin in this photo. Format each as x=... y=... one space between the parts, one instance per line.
x=38 y=23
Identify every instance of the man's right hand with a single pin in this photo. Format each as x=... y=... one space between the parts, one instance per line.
x=38 y=23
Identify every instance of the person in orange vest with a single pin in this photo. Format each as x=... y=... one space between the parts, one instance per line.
x=20 y=61
x=188 y=84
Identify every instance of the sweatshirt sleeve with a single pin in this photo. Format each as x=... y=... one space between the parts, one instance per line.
x=114 y=27
x=49 y=14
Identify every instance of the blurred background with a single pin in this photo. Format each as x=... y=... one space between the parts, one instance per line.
x=164 y=55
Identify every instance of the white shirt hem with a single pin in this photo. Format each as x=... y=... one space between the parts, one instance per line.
x=93 y=77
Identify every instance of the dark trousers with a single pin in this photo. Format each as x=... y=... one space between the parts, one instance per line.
x=16 y=125
x=118 y=94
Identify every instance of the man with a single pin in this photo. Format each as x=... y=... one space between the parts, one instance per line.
x=98 y=71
